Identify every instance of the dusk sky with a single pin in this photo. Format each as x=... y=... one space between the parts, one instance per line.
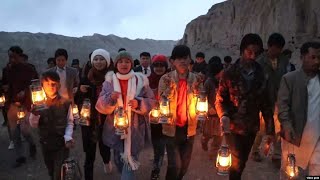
x=153 y=19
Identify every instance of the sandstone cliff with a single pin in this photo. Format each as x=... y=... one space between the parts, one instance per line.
x=40 y=46
x=225 y=24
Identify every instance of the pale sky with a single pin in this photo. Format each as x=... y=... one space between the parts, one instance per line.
x=153 y=19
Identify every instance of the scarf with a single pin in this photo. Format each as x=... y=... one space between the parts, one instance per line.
x=97 y=77
x=132 y=90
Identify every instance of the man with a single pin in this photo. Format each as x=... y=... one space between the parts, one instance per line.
x=227 y=62
x=69 y=79
x=200 y=65
x=179 y=87
x=76 y=64
x=274 y=65
x=19 y=78
x=299 y=112
x=241 y=95
x=51 y=62
x=145 y=61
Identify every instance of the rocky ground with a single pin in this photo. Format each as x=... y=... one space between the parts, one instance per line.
x=201 y=168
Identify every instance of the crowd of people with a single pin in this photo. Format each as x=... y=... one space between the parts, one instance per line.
x=259 y=96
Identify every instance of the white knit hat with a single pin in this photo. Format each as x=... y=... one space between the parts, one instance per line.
x=102 y=53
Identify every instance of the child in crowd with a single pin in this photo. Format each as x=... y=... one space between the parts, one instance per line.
x=55 y=125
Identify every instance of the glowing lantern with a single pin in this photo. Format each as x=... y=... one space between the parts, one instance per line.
x=154 y=116
x=121 y=121
x=20 y=114
x=38 y=95
x=202 y=106
x=291 y=168
x=165 y=115
x=75 y=112
x=2 y=100
x=85 y=113
x=223 y=162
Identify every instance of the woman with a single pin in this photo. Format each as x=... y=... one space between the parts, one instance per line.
x=159 y=67
x=90 y=87
x=130 y=91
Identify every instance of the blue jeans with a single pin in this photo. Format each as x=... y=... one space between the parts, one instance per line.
x=126 y=174
x=179 y=149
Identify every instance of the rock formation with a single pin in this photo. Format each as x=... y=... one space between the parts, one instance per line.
x=40 y=46
x=225 y=24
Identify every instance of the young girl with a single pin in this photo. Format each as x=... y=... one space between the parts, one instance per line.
x=90 y=88
x=131 y=91
x=159 y=67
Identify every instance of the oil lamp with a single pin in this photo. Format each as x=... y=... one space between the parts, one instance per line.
x=291 y=168
x=154 y=116
x=165 y=115
x=202 y=106
x=2 y=100
x=223 y=162
x=38 y=95
x=20 y=114
x=75 y=112
x=121 y=121
x=85 y=113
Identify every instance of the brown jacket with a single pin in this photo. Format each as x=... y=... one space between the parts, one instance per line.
x=171 y=92
x=293 y=102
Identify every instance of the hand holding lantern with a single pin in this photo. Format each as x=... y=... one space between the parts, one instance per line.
x=38 y=95
x=85 y=113
x=121 y=121
x=224 y=161
x=202 y=106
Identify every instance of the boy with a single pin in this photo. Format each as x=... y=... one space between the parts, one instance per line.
x=179 y=86
x=55 y=125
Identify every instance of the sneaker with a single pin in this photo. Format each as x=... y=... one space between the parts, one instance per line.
x=256 y=157
x=155 y=174
x=33 y=151
x=11 y=145
x=107 y=168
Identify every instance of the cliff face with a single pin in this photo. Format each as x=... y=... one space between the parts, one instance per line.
x=39 y=47
x=226 y=23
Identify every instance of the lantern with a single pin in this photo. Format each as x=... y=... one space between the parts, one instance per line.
x=202 y=106
x=85 y=113
x=121 y=121
x=75 y=112
x=154 y=116
x=70 y=169
x=38 y=95
x=165 y=115
x=2 y=100
x=291 y=168
x=20 y=114
x=223 y=162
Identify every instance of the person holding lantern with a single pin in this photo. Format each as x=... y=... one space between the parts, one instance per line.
x=241 y=95
x=90 y=87
x=179 y=88
x=299 y=116
x=211 y=126
x=19 y=78
x=125 y=98
x=55 y=124
x=159 y=67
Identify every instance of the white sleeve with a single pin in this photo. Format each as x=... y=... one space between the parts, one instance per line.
x=69 y=129
x=34 y=120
